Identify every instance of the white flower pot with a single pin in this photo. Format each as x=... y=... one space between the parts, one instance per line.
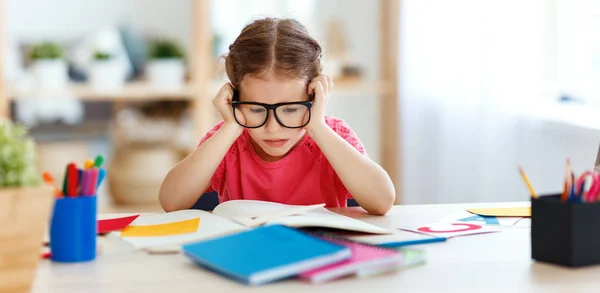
x=107 y=75
x=166 y=73
x=50 y=73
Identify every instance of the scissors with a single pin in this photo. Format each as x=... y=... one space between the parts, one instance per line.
x=594 y=191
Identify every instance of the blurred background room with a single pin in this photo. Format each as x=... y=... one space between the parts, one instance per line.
x=448 y=96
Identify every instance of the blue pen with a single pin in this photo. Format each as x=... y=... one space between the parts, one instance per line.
x=572 y=194
x=412 y=242
x=582 y=192
x=101 y=175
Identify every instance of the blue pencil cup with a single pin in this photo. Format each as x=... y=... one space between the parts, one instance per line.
x=73 y=229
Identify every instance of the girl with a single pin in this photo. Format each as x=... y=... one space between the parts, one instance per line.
x=274 y=142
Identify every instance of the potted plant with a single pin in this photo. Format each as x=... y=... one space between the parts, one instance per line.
x=166 y=68
x=49 y=66
x=25 y=206
x=106 y=73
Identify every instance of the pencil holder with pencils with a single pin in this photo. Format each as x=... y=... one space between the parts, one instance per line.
x=564 y=226
x=565 y=233
x=73 y=227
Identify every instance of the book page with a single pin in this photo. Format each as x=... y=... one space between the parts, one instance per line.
x=324 y=218
x=253 y=213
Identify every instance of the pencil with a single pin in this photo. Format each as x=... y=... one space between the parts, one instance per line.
x=567 y=187
x=524 y=176
x=50 y=181
x=89 y=164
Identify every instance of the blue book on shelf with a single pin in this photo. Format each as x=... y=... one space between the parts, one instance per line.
x=265 y=254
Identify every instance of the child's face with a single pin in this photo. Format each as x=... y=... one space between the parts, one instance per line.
x=273 y=141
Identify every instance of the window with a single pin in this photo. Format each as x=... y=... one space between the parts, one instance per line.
x=575 y=25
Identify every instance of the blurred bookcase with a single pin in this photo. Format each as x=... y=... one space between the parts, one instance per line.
x=201 y=84
x=196 y=90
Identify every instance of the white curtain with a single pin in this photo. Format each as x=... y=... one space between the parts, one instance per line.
x=471 y=74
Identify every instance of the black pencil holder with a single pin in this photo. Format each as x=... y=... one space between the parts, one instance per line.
x=566 y=234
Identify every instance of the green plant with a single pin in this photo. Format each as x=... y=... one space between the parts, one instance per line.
x=17 y=157
x=161 y=49
x=46 y=50
x=101 y=56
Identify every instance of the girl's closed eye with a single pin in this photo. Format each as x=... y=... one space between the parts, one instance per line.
x=290 y=110
x=257 y=110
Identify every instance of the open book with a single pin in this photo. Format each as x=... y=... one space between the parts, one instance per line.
x=163 y=231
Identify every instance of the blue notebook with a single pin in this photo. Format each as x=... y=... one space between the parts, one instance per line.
x=265 y=254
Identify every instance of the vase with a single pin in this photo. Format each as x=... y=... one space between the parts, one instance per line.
x=25 y=216
x=50 y=73
x=107 y=75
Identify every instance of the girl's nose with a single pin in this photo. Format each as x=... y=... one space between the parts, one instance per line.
x=272 y=125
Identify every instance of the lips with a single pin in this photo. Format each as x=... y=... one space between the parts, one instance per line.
x=275 y=142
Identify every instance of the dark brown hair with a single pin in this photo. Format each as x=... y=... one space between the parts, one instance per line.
x=282 y=45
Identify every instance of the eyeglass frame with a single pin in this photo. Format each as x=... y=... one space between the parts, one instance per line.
x=235 y=103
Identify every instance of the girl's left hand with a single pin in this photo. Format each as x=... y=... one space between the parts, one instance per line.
x=320 y=86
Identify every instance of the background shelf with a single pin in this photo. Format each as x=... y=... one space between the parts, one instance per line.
x=132 y=91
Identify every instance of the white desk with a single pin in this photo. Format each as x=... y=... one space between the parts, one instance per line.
x=495 y=262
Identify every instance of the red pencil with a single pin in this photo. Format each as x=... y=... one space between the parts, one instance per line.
x=72 y=179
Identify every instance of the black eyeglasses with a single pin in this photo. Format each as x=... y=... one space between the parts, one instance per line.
x=255 y=115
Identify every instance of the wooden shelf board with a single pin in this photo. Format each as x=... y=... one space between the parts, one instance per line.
x=132 y=91
x=142 y=91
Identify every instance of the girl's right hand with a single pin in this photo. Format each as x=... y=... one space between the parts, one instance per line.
x=222 y=103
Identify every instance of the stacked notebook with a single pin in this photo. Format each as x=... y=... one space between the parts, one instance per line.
x=265 y=254
x=364 y=257
x=274 y=252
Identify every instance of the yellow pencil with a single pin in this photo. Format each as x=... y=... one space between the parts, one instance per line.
x=567 y=188
x=533 y=194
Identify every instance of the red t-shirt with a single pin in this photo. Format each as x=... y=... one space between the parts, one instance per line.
x=302 y=177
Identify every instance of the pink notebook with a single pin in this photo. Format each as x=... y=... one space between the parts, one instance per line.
x=364 y=256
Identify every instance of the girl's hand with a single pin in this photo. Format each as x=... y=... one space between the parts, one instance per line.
x=320 y=86
x=222 y=103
